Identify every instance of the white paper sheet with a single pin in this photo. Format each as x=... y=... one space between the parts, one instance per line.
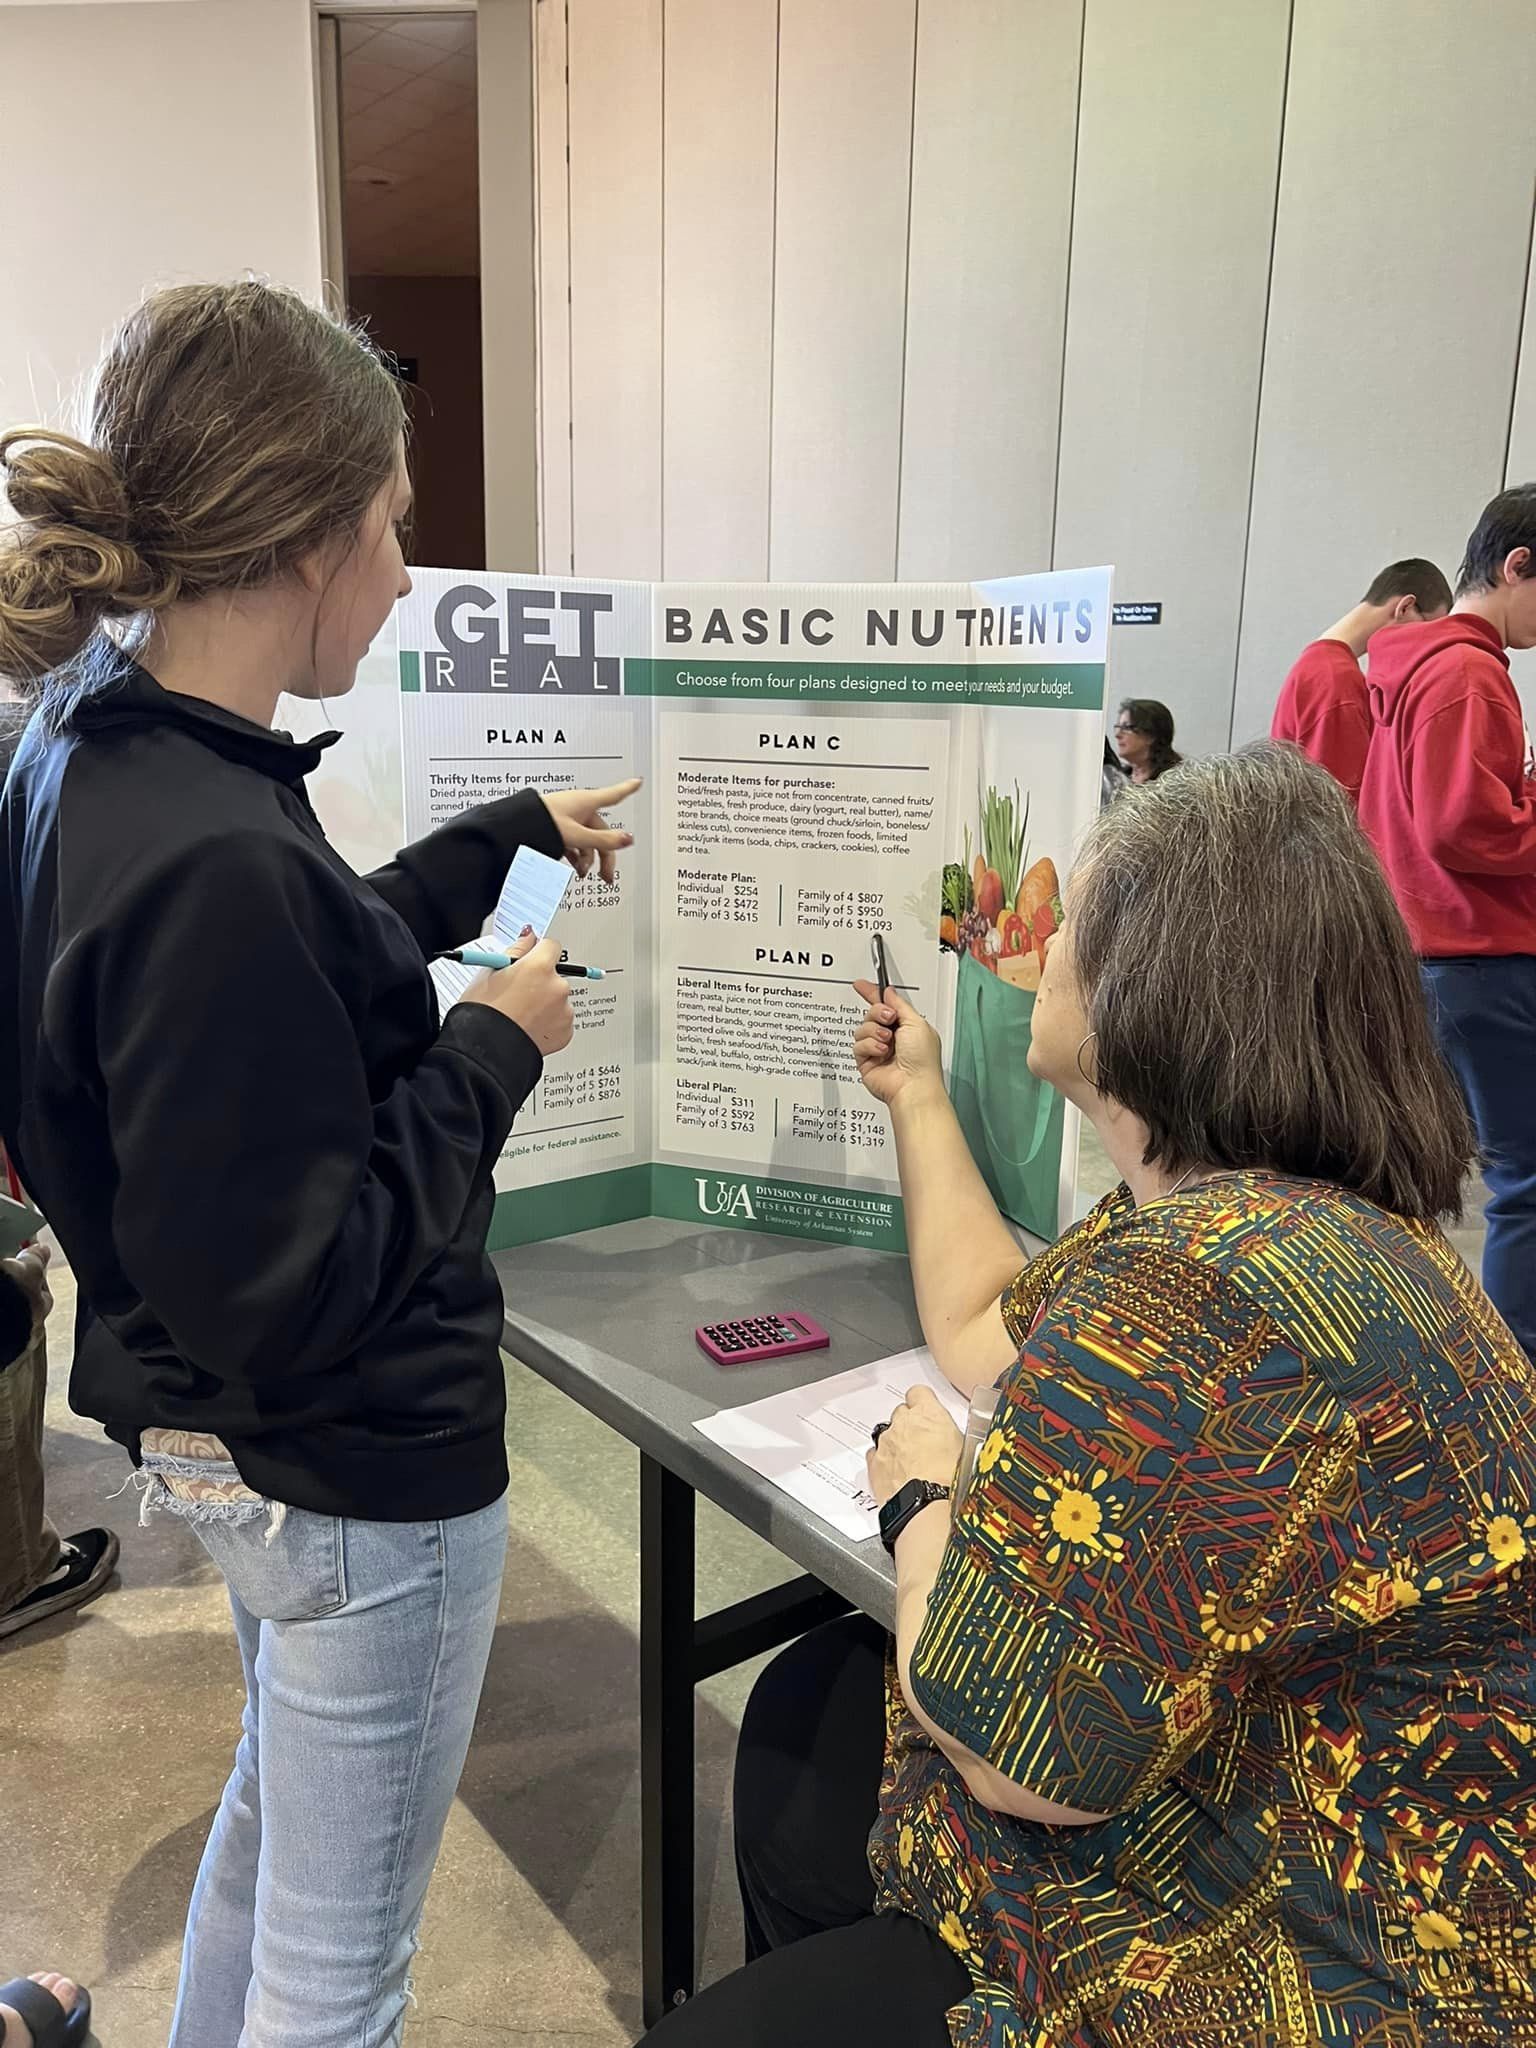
x=811 y=1441
x=533 y=891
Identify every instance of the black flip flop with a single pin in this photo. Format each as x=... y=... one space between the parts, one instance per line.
x=52 y=2026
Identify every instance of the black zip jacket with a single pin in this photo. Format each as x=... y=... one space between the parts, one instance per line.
x=228 y=1090
x=15 y=1303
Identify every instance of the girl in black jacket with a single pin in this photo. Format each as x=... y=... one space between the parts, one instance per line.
x=268 y=1159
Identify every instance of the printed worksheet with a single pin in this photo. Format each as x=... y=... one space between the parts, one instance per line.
x=823 y=764
x=812 y=1442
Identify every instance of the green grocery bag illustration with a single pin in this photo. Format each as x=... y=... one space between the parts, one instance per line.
x=998 y=913
x=1012 y=1122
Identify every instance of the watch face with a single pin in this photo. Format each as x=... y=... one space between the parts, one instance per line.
x=908 y=1500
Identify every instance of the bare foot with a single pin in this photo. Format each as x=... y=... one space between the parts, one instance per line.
x=17 y=2033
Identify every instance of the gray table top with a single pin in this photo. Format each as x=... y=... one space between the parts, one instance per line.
x=608 y=1316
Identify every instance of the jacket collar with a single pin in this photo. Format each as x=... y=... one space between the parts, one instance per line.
x=135 y=699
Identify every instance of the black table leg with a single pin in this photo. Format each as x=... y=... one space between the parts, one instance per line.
x=676 y=1652
x=666 y=1740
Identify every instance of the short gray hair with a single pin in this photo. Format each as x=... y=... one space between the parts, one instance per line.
x=1252 y=990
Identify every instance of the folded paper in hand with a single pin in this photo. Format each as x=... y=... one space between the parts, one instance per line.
x=19 y=1224
x=532 y=893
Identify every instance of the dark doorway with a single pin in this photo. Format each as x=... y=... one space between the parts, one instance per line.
x=411 y=221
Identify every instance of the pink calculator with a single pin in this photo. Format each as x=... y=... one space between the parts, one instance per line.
x=749 y=1339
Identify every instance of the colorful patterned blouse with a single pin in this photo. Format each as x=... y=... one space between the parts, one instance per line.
x=1244 y=1565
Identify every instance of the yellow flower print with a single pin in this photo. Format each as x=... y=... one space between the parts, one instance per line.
x=1436 y=1937
x=1502 y=1536
x=1436 y=1931
x=991 y=1451
x=1505 y=1540
x=1079 y=1514
x=953 y=1935
x=906 y=1842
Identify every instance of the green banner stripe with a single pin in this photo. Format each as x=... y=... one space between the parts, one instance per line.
x=529 y=1215
x=1058 y=686
x=410 y=672
x=787 y=1208
x=687 y=1194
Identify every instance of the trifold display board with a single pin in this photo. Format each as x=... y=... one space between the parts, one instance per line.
x=821 y=763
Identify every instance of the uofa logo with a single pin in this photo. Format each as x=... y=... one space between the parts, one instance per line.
x=729 y=1198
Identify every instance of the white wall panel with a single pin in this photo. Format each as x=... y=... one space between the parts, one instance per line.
x=509 y=301
x=140 y=146
x=1520 y=464
x=717 y=376
x=987 y=280
x=615 y=142
x=845 y=129
x=552 y=194
x=1177 y=160
x=1400 y=258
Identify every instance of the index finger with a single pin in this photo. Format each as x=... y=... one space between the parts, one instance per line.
x=615 y=792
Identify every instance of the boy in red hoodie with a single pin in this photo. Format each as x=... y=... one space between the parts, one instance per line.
x=1448 y=805
x=1322 y=707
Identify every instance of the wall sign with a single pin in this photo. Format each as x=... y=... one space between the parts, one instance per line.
x=1139 y=614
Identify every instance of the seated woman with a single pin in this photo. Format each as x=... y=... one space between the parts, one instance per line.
x=1144 y=739
x=1211 y=1718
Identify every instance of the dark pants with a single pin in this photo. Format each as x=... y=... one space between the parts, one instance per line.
x=1484 y=1012
x=821 y=1966
x=29 y=1543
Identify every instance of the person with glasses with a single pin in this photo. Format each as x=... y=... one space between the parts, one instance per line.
x=1144 y=738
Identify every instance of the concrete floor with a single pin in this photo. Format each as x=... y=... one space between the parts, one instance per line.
x=118 y=1722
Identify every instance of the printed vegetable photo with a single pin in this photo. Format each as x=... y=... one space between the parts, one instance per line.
x=994 y=910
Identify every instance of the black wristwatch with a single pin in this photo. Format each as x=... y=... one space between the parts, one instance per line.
x=907 y=1501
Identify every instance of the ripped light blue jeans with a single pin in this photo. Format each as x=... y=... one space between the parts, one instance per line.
x=365 y=1646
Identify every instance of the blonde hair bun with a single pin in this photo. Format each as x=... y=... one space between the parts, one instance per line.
x=71 y=562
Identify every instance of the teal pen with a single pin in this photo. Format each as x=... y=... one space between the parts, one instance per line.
x=482 y=956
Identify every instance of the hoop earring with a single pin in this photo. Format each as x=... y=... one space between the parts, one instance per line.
x=1080 y=1067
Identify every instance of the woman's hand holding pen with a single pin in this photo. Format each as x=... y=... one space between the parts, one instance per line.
x=586 y=832
x=897 y=1051
x=532 y=994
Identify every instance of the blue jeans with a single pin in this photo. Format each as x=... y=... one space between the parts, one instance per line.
x=364 y=1645
x=1484 y=1012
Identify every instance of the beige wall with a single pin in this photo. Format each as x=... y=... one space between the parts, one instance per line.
x=142 y=144
x=1227 y=294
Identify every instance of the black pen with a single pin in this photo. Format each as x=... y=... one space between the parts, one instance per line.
x=483 y=956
